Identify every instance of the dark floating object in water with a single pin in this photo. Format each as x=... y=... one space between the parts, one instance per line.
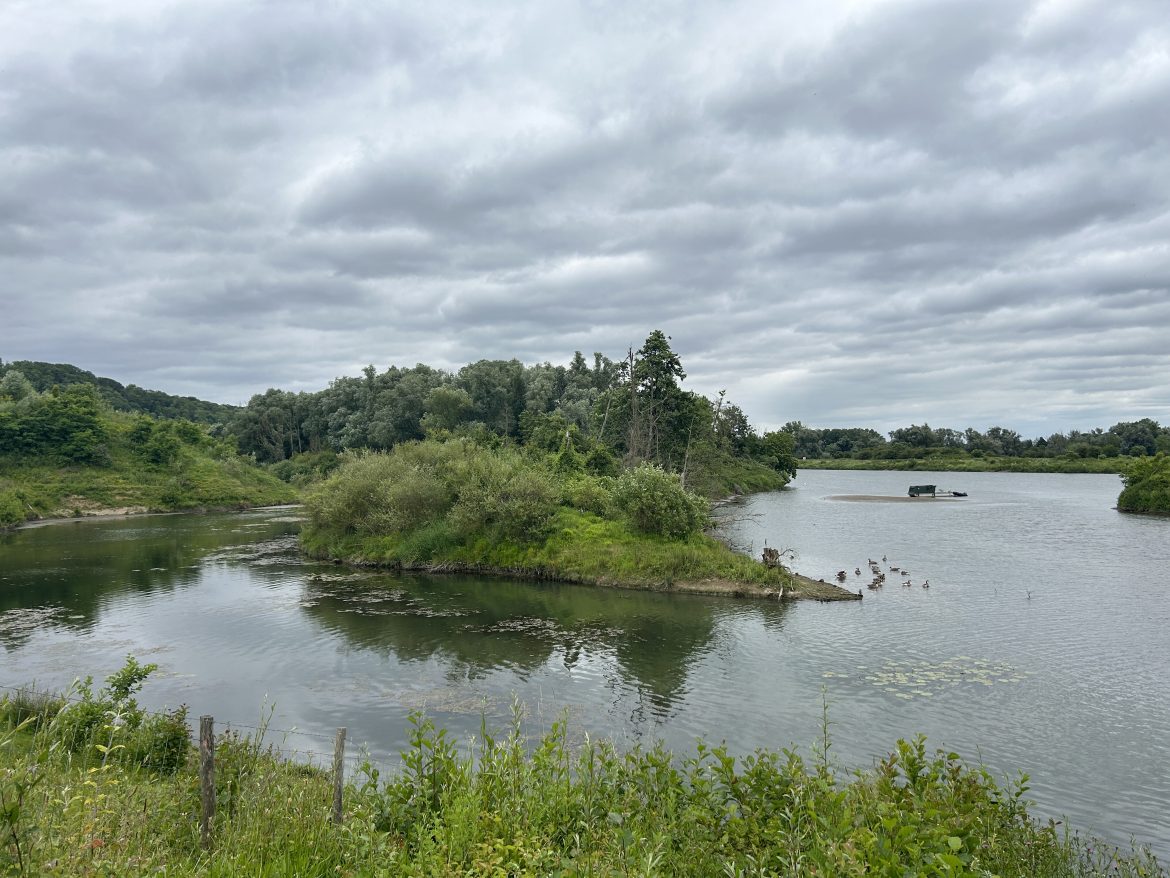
x=933 y=491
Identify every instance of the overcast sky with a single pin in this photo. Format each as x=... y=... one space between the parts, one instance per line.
x=846 y=213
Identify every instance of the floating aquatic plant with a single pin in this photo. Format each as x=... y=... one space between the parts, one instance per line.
x=908 y=679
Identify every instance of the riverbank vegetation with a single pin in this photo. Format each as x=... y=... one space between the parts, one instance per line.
x=1147 y=486
x=458 y=505
x=998 y=449
x=95 y=786
x=66 y=452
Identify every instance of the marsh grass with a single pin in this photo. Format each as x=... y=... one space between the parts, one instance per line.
x=517 y=805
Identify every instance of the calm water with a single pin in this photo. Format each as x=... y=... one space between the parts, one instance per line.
x=1041 y=644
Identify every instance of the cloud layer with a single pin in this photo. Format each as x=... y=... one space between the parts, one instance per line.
x=844 y=213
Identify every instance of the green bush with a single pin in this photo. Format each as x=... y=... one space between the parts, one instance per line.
x=11 y=509
x=654 y=502
x=1147 y=485
x=505 y=496
x=589 y=494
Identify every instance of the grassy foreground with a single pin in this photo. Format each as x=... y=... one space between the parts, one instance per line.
x=83 y=793
x=456 y=506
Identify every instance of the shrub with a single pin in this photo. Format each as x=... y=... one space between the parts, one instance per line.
x=589 y=494
x=11 y=509
x=377 y=494
x=1147 y=485
x=655 y=502
x=505 y=496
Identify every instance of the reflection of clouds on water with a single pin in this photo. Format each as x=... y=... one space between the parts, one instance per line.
x=281 y=550
x=908 y=679
x=19 y=625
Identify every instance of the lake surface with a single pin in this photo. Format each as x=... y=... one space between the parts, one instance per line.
x=1041 y=644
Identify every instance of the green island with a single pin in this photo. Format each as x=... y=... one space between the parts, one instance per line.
x=92 y=784
x=1147 y=486
x=458 y=506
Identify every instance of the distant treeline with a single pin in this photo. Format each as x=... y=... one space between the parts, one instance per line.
x=609 y=412
x=1127 y=439
x=125 y=398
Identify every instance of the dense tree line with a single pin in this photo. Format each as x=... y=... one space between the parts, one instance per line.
x=605 y=412
x=125 y=398
x=1130 y=438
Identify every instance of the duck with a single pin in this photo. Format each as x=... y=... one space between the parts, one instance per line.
x=926 y=584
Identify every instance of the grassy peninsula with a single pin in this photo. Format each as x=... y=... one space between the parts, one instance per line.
x=97 y=786
x=1147 y=486
x=460 y=506
x=65 y=452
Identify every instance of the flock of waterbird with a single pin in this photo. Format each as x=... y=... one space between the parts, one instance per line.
x=879 y=575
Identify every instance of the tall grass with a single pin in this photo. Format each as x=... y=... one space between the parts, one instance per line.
x=509 y=805
x=1147 y=486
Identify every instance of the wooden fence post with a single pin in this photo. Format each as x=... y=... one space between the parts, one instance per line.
x=338 y=773
x=207 y=776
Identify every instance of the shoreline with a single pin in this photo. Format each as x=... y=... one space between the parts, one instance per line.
x=115 y=513
x=800 y=587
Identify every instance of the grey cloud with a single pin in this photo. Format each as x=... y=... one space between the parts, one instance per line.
x=914 y=210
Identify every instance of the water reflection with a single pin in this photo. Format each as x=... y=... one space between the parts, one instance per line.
x=477 y=625
x=1040 y=646
x=65 y=574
